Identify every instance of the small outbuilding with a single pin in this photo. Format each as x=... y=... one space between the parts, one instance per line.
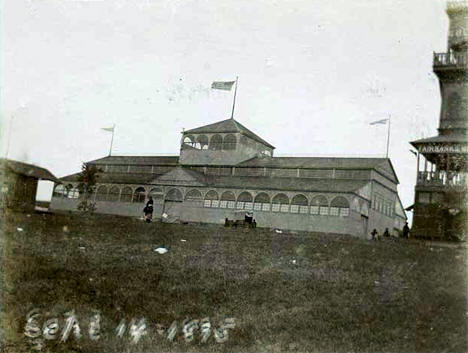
x=19 y=182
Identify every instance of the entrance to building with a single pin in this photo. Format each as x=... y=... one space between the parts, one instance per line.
x=364 y=221
x=172 y=208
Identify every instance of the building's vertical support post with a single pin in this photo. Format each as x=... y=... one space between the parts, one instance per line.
x=448 y=169
x=417 y=169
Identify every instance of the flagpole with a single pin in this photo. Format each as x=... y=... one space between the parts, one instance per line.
x=234 y=100
x=9 y=135
x=388 y=134
x=112 y=139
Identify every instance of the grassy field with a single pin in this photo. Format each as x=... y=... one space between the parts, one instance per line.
x=287 y=292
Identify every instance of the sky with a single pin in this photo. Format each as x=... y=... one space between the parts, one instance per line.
x=312 y=75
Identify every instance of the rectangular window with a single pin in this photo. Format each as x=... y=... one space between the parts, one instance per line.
x=249 y=171
x=257 y=206
x=323 y=211
x=283 y=173
x=334 y=211
x=316 y=173
x=207 y=203
x=231 y=204
x=314 y=210
x=214 y=203
x=284 y=208
x=294 y=208
x=344 y=211
x=117 y=168
x=424 y=197
x=303 y=209
x=437 y=197
x=140 y=169
x=240 y=205
x=275 y=207
x=222 y=204
x=265 y=207
x=248 y=205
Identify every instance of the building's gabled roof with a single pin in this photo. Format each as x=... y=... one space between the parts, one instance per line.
x=314 y=162
x=180 y=176
x=117 y=178
x=226 y=126
x=137 y=160
x=286 y=184
x=27 y=169
x=380 y=164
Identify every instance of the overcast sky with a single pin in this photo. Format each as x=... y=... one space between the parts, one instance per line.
x=312 y=75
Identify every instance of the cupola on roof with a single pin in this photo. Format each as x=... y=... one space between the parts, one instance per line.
x=226 y=126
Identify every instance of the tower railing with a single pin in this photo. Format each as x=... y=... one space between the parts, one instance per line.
x=442 y=178
x=456 y=5
x=452 y=59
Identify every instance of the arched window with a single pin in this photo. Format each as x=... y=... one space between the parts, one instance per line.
x=280 y=203
x=211 y=199
x=319 y=205
x=262 y=202
x=114 y=193
x=216 y=142
x=245 y=201
x=203 y=141
x=101 y=193
x=229 y=142
x=126 y=194
x=59 y=191
x=339 y=206
x=228 y=200
x=156 y=194
x=139 y=195
x=299 y=204
x=73 y=192
x=189 y=140
x=193 y=195
x=174 y=195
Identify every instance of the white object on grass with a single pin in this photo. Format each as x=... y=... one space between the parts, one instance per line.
x=279 y=231
x=19 y=229
x=161 y=250
x=183 y=240
x=164 y=215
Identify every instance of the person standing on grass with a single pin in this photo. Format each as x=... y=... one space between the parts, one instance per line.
x=375 y=234
x=406 y=231
x=148 y=210
x=386 y=234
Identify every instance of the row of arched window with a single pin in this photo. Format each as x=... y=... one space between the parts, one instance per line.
x=216 y=142
x=319 y=205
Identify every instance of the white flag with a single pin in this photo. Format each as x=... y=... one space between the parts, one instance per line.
x=110 y=129
x=381 y=121
x=226 y=86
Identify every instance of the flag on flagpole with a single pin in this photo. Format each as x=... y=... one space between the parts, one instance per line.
x=223 y=85
x=110 y=129
x=381 y=121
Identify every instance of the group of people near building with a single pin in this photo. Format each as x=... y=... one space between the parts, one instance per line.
x=386 y=234
x=148 y=210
